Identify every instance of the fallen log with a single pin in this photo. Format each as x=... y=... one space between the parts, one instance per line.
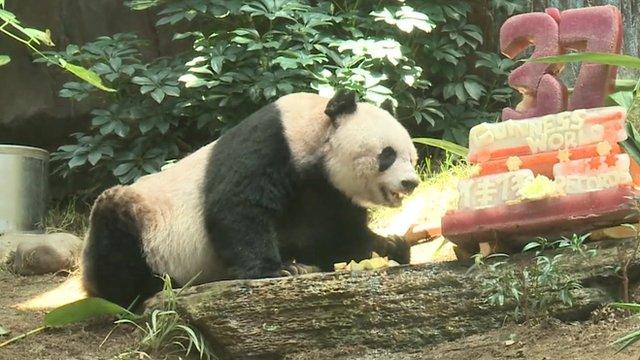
x=403 y=308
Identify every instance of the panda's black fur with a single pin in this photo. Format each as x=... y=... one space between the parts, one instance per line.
x=265 y=216
x=114 y=267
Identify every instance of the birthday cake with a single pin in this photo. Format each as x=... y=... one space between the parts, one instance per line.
x=548 y=171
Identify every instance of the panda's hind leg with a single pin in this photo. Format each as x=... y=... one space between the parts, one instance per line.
x=113 y=262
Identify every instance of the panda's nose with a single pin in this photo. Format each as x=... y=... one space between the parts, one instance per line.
x=409 y=185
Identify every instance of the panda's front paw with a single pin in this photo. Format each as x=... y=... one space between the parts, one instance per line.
x=396 y=248
x=294 y=268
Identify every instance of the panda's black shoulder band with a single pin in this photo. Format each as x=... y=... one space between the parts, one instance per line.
x=342 y=103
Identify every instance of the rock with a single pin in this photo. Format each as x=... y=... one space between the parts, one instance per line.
x=43 y=253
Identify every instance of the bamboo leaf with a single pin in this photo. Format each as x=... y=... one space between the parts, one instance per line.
x=444 y=145
x=627 y=306
x=591 y=57
x=82 y=310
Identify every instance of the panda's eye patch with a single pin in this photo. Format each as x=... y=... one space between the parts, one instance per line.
x=386 y=158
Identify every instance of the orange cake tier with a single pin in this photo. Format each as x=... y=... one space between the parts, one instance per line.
x=543 y=163
x=549 y=133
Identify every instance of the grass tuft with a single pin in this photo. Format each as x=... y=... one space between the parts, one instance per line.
x=71 y=217
x=164 y=332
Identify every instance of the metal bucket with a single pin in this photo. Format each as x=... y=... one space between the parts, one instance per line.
x=24 y=188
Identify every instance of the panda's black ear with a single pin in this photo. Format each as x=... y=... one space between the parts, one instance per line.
x=388 y=106
x=343 y=102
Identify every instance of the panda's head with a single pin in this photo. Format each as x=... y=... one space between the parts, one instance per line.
x=370 y=156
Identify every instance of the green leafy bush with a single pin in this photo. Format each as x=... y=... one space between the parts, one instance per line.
x=423 y=57
x=534 y=286
x=12 y=27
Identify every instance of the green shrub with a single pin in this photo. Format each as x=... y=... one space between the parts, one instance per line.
x=533 y=286
x=423 y=56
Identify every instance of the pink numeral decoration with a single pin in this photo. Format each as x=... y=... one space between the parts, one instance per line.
x=542 y=93
x=594 y=29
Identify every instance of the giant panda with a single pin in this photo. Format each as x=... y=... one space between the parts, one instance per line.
x=282 y=193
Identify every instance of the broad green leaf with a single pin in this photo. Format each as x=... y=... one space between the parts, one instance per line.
x=474 y=89
x=597 y=58
x=171 y=90
x=631 y=145
x=141 y=80
x=444 y=145
x=82 y=310
x=4 y=60
x=86 y=75
x=94 y=157
x=123 y=168
x=623 y=98
x=4 y=331
x=157 y=95
x=77 y=161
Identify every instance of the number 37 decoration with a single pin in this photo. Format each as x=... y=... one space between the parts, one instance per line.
x=593 y=29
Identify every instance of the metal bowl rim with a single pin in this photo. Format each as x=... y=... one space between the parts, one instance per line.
x=6 y=149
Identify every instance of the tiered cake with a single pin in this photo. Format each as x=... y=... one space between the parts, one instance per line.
x=550 y=172
x=548 y=175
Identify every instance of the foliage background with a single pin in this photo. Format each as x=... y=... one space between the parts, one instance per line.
x=432 y=59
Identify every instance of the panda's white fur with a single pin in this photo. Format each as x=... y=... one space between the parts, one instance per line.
x=174 y=238
x=166 y=210
x=349 y=148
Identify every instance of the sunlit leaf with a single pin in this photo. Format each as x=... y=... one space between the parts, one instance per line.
x=86 y=75
x=157 y=95
x=4 y=59
x=623 y=98
x=39 y=36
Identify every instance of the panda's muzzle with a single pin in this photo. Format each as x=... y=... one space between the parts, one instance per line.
x=409 y=185
x=394 y=198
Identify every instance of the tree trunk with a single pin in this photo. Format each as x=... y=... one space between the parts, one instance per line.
x=402 y=308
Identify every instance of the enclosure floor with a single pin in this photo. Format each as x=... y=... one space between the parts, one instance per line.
x=78 y=342
x=580 y=341
x=551 y=341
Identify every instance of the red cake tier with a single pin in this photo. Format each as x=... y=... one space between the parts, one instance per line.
x=560 y=216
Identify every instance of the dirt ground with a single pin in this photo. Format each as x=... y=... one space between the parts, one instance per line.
x=78 y=342
x=590 y=340
x=555 y=341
